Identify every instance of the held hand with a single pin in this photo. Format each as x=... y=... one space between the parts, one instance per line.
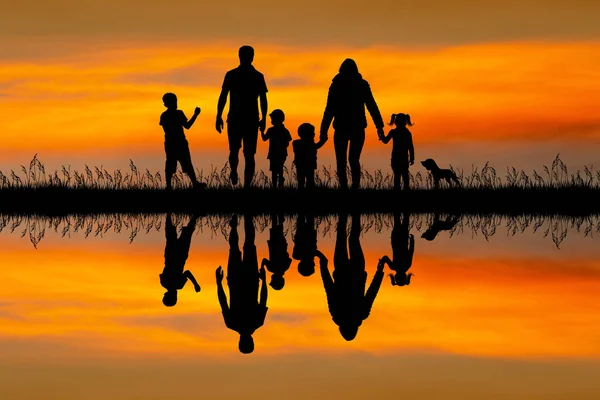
x=262 y=274
x=219 y=124
x=380 y=264
x=197 y=111
x=323 y=137
x=219 y=274
x=262 y=125
x=380 y=133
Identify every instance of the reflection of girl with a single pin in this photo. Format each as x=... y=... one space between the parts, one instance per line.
x=403 y=248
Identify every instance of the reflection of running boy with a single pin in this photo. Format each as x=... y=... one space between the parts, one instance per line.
x=176 y=145
x=173 y=277
x=279 y=259
x=244 y=314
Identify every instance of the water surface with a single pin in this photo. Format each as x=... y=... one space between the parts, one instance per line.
x=498 y=307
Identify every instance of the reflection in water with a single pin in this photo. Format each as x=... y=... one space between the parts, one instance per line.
x=245 y=313
x=403 y=249
x=439 y=225
x=279 y=260
x=173 y=277
x=348 y=304
x=305 y=244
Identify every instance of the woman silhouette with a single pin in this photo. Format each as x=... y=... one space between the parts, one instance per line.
x=348 y=95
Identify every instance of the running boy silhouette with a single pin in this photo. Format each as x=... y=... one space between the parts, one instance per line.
x=176 y=145
x=279 y=139
x=173 y=277
x=305 y=155
x=403 y=151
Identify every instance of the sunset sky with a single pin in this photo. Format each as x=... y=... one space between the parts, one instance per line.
x=512 y=82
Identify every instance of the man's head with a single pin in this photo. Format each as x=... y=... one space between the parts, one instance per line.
x=246 y=54
x=246 y=344
x=170 y=100
x=277 y=281
x=170 y=298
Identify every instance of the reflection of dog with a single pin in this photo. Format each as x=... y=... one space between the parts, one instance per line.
x=439 y=225
x=438 y=174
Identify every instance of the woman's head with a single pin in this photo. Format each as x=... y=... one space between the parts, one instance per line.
x=349 y=67
x=401 y=120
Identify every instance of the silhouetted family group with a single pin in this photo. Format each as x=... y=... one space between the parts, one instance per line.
x=348 y=96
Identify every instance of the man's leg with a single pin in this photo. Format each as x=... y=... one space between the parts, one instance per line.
x=235 y=144
x=406 y=180
x=340 y=144
x=310 y=179
x=250 y=140
x=357 y=142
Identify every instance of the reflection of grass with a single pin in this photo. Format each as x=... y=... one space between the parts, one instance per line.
x=554 y=227
x=555 y=190
x=36 y=177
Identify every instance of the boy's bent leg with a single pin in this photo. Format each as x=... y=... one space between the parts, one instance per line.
x=185 y=158
x=170 y=164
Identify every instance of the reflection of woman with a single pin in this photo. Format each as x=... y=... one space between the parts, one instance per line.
x=348 y=95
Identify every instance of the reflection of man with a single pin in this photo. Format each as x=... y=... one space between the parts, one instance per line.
x=173 y=277
x=245 y=85
x=348 y=304
x=403 y=248
x=244 y=314
x=279 y=259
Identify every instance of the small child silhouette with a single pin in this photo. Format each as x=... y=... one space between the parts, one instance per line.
x=176 y=145
x=403 y=151
x=305 y=155
x=279 y=139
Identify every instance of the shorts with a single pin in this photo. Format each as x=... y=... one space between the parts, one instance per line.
x=246 y=136
x=178 y=151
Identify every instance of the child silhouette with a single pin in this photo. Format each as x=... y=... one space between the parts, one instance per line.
x=176 y=145
x=279 y=139
x=403 y=152
x=305 y=155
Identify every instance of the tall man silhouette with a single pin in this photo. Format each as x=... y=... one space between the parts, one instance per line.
x=245 y=85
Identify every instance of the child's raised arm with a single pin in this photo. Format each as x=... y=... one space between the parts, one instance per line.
x=265 y=135
x=188 y=124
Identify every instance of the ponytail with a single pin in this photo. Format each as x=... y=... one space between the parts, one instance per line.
x=408 y=122
x=393 y=119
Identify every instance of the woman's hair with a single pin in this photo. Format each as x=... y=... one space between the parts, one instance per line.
x=397 y=119
x=349 y=67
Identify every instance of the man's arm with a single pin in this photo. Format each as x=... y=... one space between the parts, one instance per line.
x=188 y=124
x=264 y=106
x=221 y=103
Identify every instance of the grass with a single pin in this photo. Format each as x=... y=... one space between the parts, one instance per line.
x=553 y=227
x=552 y=189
